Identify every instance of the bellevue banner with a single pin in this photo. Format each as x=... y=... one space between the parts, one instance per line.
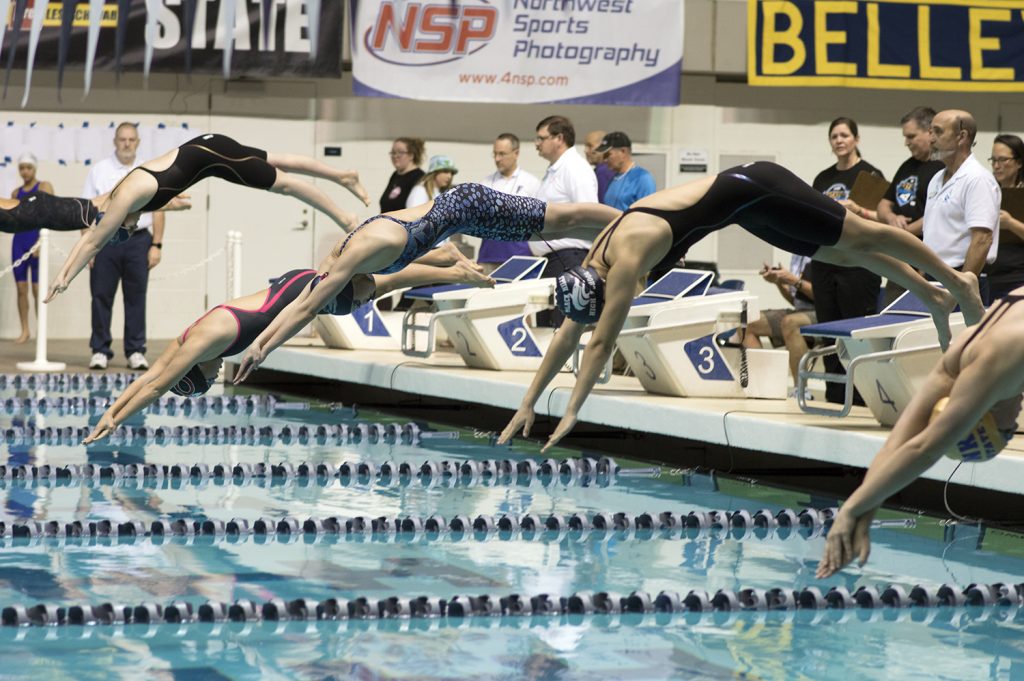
x=519 y=51
x=270 y=39
x=895 y=44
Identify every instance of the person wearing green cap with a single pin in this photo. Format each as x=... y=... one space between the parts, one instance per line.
x=440 y=173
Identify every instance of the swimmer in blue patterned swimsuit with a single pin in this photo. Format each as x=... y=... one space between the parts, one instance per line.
x=389 y=242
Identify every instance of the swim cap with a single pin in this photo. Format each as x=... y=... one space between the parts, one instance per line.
x=982 y=443
x=192 y=384
x=579 y=294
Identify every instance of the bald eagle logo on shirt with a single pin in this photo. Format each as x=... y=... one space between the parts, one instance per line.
x=906 y=191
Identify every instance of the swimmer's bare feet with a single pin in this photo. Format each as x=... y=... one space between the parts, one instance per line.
x=469 y=273
x=969 y=298
x=940 y=305
x=453 y=256
x=22 y=339
x=349 y=179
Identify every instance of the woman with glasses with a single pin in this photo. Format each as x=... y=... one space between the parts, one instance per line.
x=406 y=156
x=1007 y=272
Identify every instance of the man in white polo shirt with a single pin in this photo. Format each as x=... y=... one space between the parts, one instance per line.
x=511 y=179
x=569 y=179
x=126 y=263
x=961 y=216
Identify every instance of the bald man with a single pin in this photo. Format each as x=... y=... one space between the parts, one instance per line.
x=604 y=174
x=961 y=216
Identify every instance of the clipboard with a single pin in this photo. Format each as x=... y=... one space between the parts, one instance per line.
x=868 y=190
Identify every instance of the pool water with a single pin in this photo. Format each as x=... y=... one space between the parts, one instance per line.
x=938 y=643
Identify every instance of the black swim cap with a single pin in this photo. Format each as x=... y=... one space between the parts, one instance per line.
x=192 y=384
x=579 y=294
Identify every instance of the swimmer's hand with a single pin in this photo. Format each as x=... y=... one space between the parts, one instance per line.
x=251 y=361
x=566 y=425
x=848 y=539
x=104 y=428
x=56 y=288
x=179 y=202
x=522 y=420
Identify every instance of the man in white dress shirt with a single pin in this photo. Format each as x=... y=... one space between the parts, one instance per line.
x=126 y=263
x=511 y=179
x=569 y=179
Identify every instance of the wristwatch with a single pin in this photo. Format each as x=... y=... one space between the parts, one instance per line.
x=157 y=245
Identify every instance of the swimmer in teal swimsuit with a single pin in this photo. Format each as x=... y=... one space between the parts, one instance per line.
x=967 y=409
x=387 y=243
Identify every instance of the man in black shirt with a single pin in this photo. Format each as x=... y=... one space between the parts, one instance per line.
x=903 y=203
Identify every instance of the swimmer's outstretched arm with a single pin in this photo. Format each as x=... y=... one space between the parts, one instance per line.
x=913 y=446
x=91 y=241
x=619 y=288
x=367 y=253
x=167 y=370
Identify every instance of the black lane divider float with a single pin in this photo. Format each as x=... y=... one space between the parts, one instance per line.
x=287 y=434
x=66 y=382
x=763 y=524
x=920 y=602
x=166 y=404
x=583 y=471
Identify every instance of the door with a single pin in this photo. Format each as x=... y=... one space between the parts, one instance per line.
x=277 y=230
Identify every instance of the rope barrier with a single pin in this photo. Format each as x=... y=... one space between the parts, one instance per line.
x=763 y=524
x=928 y=602
x=190 y=268
x=66 y=382
x=170 y=404
x=569 y=472
x=22 y=260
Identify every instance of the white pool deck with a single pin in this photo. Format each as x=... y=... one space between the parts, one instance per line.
x=773 y=426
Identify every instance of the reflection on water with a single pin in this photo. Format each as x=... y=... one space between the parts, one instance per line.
x=781 y=646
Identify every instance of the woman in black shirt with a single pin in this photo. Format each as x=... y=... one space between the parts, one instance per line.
x=406 y=155
x=1007 y=272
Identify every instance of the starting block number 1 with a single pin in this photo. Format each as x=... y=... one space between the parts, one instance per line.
x=518 y=338
x=369 y=321
x=707 y=360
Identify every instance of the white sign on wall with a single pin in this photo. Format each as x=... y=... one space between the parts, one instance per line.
x=519 y=51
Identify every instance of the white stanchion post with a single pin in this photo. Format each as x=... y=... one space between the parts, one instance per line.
x=233 y=249
x=41 y=363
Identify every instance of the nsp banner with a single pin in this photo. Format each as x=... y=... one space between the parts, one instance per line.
x=893 y=44
x=519 y=51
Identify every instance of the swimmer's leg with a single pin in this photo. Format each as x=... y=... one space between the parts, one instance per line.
x=304 y=165
x=862 y=236
x=311 y=195
x=584 y=216
x=938 y=301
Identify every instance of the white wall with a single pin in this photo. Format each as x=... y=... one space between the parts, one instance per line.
x=723 y=117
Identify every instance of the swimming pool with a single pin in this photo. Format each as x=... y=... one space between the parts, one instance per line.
x=251 y=453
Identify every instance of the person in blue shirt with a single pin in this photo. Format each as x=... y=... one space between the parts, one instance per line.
x=631 y=182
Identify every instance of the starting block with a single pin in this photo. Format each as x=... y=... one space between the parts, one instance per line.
x=367 y=328
x=487 y=326
x=887 y=357
x=671 y=342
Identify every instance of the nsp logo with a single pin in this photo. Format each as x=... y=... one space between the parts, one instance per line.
x=403 y=31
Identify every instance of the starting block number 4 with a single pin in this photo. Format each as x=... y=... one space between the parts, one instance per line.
x=518 y=338
x=707 y=360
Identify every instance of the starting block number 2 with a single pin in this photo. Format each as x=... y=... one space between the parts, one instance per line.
x=707 y=360
x=518 y=338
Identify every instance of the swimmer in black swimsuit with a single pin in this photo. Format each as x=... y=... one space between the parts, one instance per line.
x=766 y=200
x=45 y=211
x=190 y=364
x=387 y=243
x=975 y=389
x=158 y=182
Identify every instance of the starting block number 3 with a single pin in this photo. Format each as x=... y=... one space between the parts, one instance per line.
x=707 y=360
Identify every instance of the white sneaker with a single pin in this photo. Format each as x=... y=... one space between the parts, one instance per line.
x=137 y=360
x=98 y=361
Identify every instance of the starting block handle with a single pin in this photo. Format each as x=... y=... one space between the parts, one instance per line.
x=409 y=330
x=806 y=373
x=606 y=374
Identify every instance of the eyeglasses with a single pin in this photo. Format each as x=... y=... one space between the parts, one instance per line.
x=398 y=153
x=1000 y=160
x=542 y=138
x=503 y=154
